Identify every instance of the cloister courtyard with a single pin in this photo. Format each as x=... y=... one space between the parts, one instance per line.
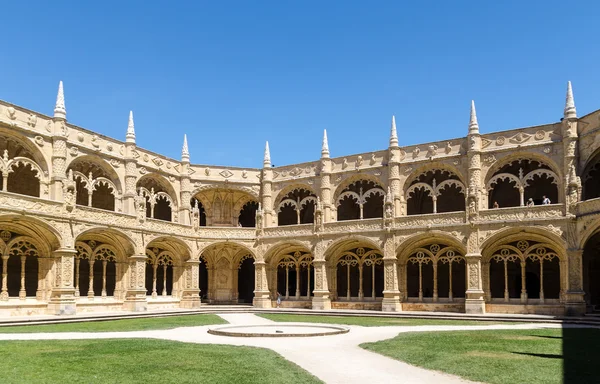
x=471 y=259
x=395 y=349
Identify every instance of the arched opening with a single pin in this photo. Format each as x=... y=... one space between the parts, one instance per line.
x=22 y=168
x=359 y=274
x=522 y=182
x=435 y=191
x=435 y=271
x=297 y=207
x=246 y=280
x=19 y=267
x=94 y=184
x=102 y=197
x=293 y=275
x=591 y=178
x=524 y=270
x=23 y=180
x=227 y=207
x=162 y=208
x=159 y=272
x=591 y=272
x=362 y=199
x=160 y=201
x=227 y=273
x=95 y=269
x=247 y=216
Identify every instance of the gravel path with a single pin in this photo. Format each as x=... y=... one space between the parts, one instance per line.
x=333 y=359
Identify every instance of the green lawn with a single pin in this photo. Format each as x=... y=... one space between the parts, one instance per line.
x=502 y=357
x=167 y=322
x=367 y=321
x=142 y=361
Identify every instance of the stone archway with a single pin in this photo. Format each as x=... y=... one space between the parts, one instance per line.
x=226 y=264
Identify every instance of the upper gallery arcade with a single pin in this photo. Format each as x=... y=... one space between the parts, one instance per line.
x=504 y=222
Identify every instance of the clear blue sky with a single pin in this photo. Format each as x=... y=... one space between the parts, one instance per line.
x=250 y=71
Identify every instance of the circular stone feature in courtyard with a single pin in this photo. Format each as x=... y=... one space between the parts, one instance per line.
x=278 y=330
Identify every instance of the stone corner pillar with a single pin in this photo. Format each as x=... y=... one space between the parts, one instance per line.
x=135 y=295
x=573 y=296
x=262 y=297
x=62 y=297
x=474 y=297
x=391 y=293
x=190 y=297
x=321 y=297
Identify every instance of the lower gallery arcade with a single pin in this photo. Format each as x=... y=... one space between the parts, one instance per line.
x=519 y=270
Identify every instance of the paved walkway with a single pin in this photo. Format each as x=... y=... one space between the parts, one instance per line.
x=333 y=359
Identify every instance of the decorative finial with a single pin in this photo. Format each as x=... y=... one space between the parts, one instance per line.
x=267 y=160
x=59 y=109
x=325 y=146
x=389 y=198
x=185 y=153
x=393 y=133
x=570 y=111
x=130 y=136
x=473 y=125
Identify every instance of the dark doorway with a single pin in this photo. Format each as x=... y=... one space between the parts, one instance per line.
x=246 y=281
x=591 y=272
x=203 y=276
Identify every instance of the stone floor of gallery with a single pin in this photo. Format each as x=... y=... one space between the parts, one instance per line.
x=363 y=348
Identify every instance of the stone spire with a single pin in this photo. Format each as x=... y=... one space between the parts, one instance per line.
x=59 y=109
x=325 y=146
x=130 y=136
x=185 y=153
x=570 y=111
x=473 y=125
x=393 y=133
x=267 y=160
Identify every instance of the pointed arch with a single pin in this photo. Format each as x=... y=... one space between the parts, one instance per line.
x=523 y=178
x=18 y=145
x=435 y=188
x=360 y=199
x=282 y=194
x=99 y=167
x=161 y=198
x=48 y=238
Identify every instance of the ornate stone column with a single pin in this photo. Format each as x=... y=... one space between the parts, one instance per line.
x=570 y=139
x=322 y=297
x=391 y=293
x=62 y=297
x=135 y=296
x=572 y=280
x=262 y=297
x=189 y=295
x=474 y=296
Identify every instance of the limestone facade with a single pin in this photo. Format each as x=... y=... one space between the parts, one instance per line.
x=90 y=223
